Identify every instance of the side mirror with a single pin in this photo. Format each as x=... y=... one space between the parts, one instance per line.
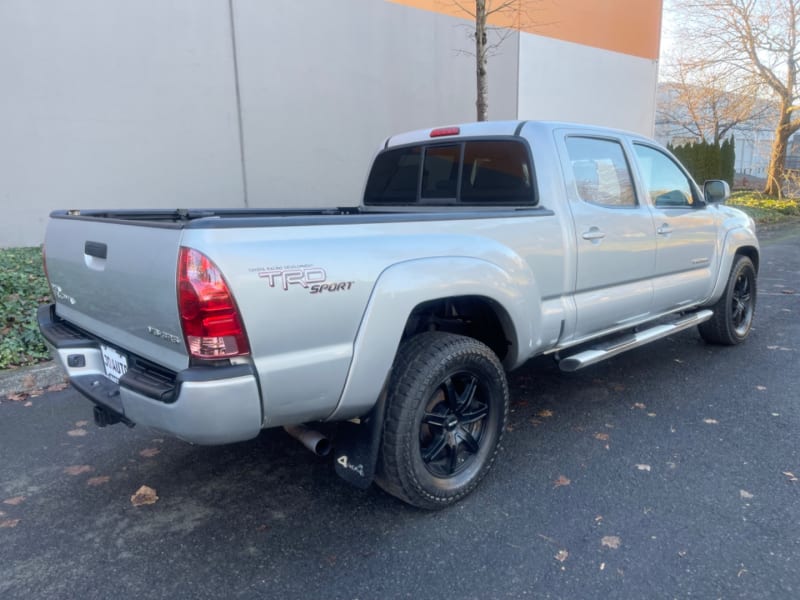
x=716 y=190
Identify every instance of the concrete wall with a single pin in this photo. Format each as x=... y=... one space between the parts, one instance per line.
x=115 y=104
x=324 y=83
x=566 y=81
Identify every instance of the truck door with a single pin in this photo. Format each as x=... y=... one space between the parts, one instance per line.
x=614 y=235
x=686 y=231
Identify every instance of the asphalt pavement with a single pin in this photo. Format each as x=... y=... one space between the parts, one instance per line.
x=667 y=472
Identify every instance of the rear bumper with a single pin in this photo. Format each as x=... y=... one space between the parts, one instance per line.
x=201 y=405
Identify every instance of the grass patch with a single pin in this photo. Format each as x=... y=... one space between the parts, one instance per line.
x=764 y=209
x=23 y=287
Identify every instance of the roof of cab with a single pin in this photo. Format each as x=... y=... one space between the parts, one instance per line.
x=500 y=128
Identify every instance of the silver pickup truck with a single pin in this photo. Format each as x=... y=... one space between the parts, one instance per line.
x=474 y=248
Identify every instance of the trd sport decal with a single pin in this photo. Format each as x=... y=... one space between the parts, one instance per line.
x=314 y=279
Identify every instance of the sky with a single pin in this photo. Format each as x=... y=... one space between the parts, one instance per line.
x=667 y=29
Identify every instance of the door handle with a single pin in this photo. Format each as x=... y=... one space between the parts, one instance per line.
x=594 y=235
x=664 y=230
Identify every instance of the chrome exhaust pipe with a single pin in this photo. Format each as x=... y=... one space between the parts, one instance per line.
x=311 y=439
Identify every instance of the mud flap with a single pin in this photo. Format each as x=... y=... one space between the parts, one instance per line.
x=357 y=446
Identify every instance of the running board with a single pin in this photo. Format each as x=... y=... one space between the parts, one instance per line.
x=634 y=340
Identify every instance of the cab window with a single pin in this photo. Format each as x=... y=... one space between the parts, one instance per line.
x=666 y=183
x=482 y=172
x=600 y=172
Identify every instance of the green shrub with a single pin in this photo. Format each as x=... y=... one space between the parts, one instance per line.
x=23 y=287
x=764 y=209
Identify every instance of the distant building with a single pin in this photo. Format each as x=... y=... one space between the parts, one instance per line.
x=753 y=138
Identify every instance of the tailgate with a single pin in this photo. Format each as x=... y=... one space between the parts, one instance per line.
x=117 y=281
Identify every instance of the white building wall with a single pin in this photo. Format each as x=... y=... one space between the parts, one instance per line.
x=114 y=104
x=322 y=85
x=566 y=81
x=232 y=103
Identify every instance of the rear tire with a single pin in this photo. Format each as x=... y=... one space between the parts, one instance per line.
x=733 y=312
x=446 y=413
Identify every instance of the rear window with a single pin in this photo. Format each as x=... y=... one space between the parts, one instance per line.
x=481 y=172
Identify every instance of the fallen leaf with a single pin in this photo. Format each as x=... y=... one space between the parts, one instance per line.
x=561 y=481
x=790 y=475
x=639 y=405
x=149 y=452
x=81 y=423
x=57 y=387
x=144 y=495
x=36 y=393
x=745 y=495
x=562 y=555
x=535 y=422
x=15 y=501
x=761 y=388
x=643 y=467
x=28 y=404
x=711 y=421
x=8 y=523
x=77 y=432
x=611 y=541
x=601 y=436
x=17 y=397
x=545 y=414
x=77 y=469
x=100 y=480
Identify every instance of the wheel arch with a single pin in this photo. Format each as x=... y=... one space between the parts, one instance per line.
x=738 y=242
x=461 y=295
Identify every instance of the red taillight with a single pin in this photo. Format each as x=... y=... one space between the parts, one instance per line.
x=211 y=323
x=443 y=131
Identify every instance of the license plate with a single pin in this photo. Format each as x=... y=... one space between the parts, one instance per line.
x=115 y=363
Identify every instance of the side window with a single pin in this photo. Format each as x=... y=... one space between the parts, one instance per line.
x=601 y=172
x=665 y=182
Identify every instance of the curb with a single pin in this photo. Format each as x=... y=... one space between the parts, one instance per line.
x=27 y=379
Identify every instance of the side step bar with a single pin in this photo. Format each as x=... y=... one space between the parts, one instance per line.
x=634 y=340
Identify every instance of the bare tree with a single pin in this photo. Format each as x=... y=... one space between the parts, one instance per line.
x=752 y=39
x=697 y=101
x=488 y=38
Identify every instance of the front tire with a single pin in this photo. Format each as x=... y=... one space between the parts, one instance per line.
x=733 y=312
x=446 y=413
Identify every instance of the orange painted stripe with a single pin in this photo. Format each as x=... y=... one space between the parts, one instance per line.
x=627 y=26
